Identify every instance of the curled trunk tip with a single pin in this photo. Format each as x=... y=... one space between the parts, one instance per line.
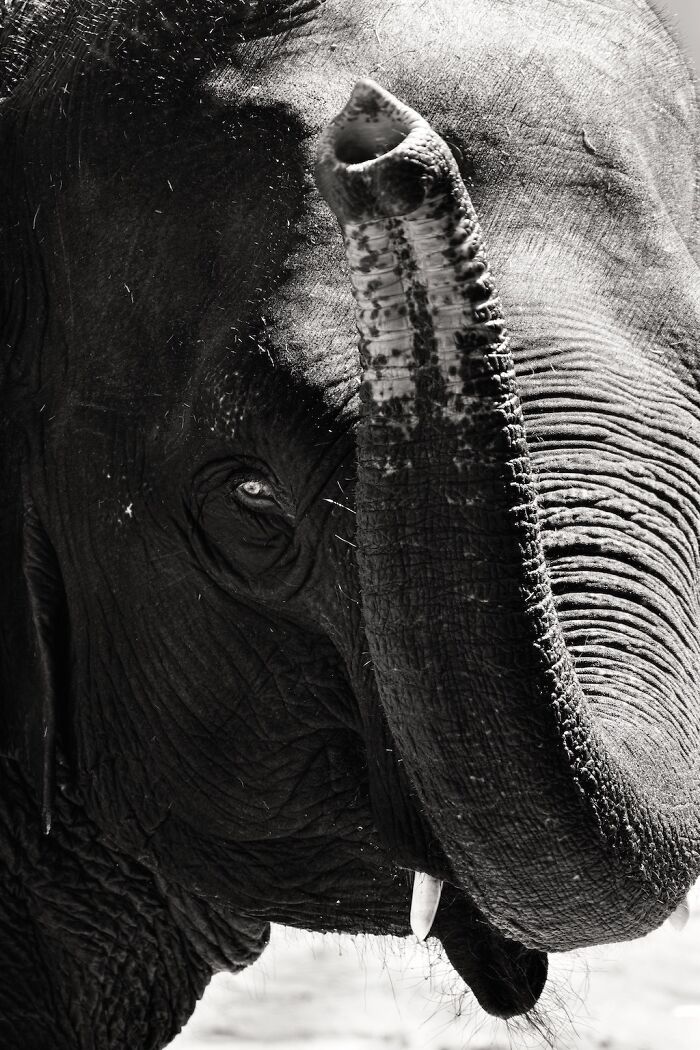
x=379 y=158
x=372 y=124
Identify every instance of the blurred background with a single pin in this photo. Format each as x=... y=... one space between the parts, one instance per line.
x=313 y=992
x=686 y=16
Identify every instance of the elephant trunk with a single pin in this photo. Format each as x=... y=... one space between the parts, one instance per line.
x=564 y=830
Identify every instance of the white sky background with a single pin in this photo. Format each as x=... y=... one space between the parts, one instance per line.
x=686 y=15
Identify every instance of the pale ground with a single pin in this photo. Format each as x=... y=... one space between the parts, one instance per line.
x=310 y=992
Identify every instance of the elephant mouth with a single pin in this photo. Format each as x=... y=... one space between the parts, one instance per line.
x=505 y=977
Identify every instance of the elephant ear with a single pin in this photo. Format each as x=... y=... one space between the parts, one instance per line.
x=34 y=635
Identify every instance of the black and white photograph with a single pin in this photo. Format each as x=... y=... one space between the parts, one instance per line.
x=349 y=525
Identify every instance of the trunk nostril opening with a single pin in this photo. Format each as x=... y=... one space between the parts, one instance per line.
x=369 y=138
x=372 y=161
x=372 y=124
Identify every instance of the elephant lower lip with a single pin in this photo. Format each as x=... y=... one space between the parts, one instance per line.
x=506 y=977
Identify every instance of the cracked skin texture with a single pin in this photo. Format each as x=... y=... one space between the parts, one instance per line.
x=98 y=950
x=177 y=321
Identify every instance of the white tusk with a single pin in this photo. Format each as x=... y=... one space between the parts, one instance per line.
x=680 y=916
x=424 y=903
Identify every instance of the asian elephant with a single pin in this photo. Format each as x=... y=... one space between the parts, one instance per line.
x=294 y=630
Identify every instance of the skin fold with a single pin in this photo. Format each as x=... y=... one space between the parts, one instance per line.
x=247 y=675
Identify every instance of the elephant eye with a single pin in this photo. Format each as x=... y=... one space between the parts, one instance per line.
x=258 y=495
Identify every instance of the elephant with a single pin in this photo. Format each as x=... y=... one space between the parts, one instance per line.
x=360 y=635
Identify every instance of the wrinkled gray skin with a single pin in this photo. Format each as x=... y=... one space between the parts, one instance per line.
x=225 y=721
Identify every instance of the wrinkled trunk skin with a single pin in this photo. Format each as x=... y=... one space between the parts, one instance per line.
x=564 y=832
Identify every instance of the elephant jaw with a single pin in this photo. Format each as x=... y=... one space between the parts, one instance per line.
x=457 y=601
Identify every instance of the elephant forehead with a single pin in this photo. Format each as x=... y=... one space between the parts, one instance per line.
x=200 y=239
x=451 y=56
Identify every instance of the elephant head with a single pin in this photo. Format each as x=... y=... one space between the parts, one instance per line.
x=294 y=632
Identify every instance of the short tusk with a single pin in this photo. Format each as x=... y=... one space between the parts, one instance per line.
x=424 y=903
x=680 y=916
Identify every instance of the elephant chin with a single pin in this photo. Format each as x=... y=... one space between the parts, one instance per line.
x=506 y=977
